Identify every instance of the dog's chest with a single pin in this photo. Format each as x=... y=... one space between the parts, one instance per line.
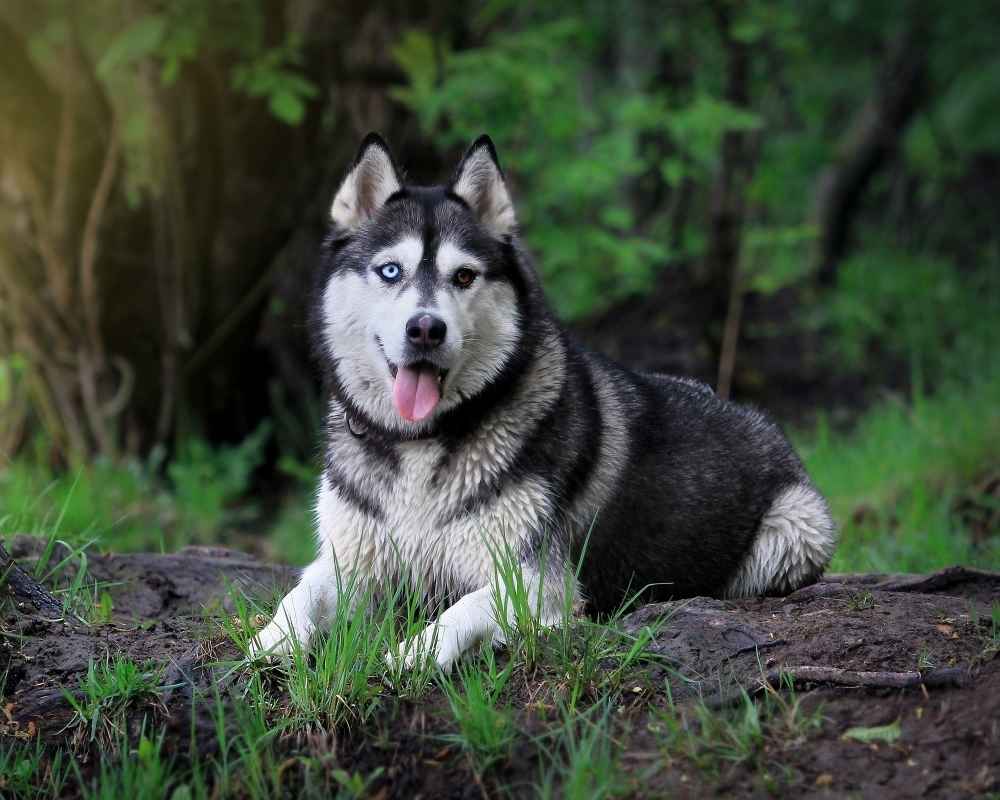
x=444 y=516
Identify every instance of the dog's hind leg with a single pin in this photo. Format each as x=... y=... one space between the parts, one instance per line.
x=794 y=544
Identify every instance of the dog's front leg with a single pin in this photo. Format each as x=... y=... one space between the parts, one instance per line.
x=308 y=606
x=475 y=618
x=458 y=628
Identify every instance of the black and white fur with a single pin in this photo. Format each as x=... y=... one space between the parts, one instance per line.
x=536 y=446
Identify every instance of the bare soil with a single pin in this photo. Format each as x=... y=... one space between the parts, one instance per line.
x=861 y=650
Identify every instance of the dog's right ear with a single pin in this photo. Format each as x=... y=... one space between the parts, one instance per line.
x=372 y=180
x=480 y=183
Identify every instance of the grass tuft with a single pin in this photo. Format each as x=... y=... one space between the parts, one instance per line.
x=144 y=773
x=756 y=731
x=105 y=695
x=582 y=761
x=486 y=728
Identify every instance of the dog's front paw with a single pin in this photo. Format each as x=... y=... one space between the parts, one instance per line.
x=430 y=645
x=273 y=641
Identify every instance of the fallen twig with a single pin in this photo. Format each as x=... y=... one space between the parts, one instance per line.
x=834 y=676
x=951 y=676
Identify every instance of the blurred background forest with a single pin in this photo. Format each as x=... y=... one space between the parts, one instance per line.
x=793 y=200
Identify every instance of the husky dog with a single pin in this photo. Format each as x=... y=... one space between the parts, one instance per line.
x=463 y=419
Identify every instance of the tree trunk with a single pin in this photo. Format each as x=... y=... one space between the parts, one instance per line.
x=870 y=142
x=728 y=193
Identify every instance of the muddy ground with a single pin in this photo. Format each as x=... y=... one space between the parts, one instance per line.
x=861 y=650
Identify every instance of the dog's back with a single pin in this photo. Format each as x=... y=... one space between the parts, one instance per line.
x=709 y=498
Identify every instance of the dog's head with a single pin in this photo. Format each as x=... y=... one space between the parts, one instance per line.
x=422 y=300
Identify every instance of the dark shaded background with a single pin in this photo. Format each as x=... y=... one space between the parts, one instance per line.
x=794 y=201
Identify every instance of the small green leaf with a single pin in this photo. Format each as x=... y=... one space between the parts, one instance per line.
x=287 y=107
x=880 y=733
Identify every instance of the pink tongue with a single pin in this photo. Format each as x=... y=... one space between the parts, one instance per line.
x=415 y=392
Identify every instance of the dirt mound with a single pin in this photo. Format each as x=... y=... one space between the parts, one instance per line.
x=156 y=614
x=848 y=630
x=912 y=657
x=871 y=651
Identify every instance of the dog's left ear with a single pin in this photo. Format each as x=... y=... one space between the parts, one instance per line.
x=479 y=182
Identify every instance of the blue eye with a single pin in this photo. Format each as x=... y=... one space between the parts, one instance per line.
x=389 y=272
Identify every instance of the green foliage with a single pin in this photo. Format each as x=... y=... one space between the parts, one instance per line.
x=292 y=538
x=207 y=481
x=894 y=481
x=183 y=30
x=697 y=130
x=589 y=659
x=180 y=33
x=128 y=506
x=918 y=308
x=101 y=500
x=517 y=599
x=272 y=74
x=587 y=142
x=596 y=659
x=337 y=681
x=775 y=258
x=141 y=39
x=607 y=116
x=170 y=37
x=570 y=160
x=259 y=765
x=587 y=125
x=80 y=594
x=355 y=785
x=12 y=368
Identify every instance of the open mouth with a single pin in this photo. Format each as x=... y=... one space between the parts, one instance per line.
x=416 y=388
x=442 y=373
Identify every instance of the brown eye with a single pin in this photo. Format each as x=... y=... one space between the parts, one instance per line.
x=463 y=278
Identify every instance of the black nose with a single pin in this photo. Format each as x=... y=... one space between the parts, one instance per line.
x=425 y=330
